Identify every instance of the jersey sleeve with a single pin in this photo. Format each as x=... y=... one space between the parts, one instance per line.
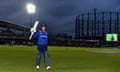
x=35 y=35
x=46 y=37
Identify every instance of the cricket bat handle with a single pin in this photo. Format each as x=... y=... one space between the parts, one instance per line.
x=31 y=35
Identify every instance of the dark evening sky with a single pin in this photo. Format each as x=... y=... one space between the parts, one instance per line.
x=59 y=15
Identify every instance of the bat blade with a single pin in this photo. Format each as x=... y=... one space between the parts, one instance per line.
x=35 y=25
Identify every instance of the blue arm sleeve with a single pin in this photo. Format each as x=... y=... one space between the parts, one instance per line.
x=46 y=38
x=35 y=35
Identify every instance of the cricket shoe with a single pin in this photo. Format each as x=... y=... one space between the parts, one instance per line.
x=48 y=68
x=37 y=67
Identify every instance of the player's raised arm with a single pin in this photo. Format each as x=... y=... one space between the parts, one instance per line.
x=33 y=29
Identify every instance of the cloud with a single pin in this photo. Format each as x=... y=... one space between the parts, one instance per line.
x=58 y=14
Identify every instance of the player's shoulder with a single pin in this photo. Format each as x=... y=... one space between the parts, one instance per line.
x=41 y=32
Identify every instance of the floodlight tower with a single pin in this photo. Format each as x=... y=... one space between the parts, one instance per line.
x=31 y=9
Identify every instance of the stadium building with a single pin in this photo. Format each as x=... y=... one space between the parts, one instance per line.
x=14 y=34
x=98 y=28
x=96 y=24
x=10 y=32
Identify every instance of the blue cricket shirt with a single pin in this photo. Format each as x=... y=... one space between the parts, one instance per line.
x=42 y=37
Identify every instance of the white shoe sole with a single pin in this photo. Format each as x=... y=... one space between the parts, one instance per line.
x=48 y=68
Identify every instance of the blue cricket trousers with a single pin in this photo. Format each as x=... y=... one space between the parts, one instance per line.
x=42 y=50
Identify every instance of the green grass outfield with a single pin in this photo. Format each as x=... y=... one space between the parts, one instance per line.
x=63 y=59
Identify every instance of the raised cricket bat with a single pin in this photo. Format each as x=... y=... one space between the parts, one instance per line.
x=34 y=27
